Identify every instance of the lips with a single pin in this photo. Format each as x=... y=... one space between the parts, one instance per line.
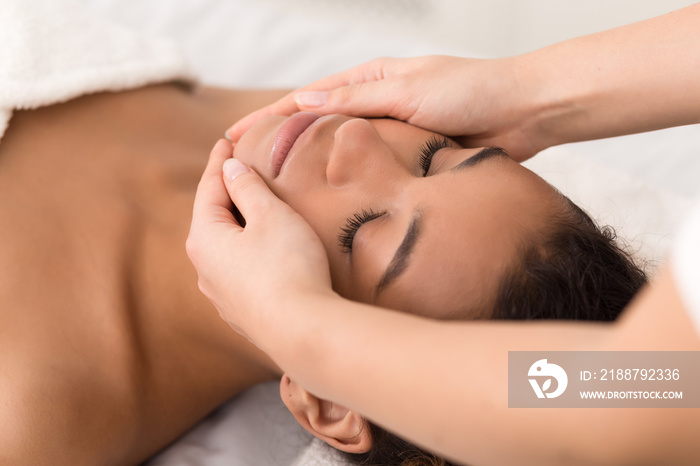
x=286 y=136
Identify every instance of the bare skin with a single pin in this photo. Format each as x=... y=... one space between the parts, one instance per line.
x=612 y=83
x=108 y=350
x=111 y=349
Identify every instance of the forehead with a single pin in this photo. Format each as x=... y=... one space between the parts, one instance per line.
x=473 y=223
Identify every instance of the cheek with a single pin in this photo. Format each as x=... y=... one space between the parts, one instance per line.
x=324 y=208
x=325 y=214
x=308 y=198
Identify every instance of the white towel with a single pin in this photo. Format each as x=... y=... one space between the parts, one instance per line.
x=51 y=51
x=319 y=453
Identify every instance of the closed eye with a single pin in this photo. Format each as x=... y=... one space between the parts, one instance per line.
x=352 y=224
x=429 y=149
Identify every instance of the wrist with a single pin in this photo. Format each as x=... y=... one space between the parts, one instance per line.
x=543 y=102
x=287 y=320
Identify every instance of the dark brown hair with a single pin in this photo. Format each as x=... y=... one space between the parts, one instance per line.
x=578 y=272
x=573 y=270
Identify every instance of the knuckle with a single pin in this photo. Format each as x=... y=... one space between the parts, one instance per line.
x=378 y=62
x=379 y=68
x=202 y=287
x=336 y=98
x=263 y=206
x=249 y=189
x=402 y=106
x=352 y=94
x=191 y=247
x=244 y=184
x=348 y=92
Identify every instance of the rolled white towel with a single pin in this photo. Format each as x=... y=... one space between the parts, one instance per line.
x=53 y=51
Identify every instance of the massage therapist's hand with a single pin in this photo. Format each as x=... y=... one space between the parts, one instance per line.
x=248 y=272
x=480 y=102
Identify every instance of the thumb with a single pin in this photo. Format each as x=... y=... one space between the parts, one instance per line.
x=248 y=191
x=370 y=99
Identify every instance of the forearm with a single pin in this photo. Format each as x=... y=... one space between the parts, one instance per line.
x=444 y=385
x=635 y=78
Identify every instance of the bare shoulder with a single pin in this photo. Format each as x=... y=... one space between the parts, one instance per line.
x=108 y=351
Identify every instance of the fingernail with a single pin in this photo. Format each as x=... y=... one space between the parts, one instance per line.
x=227 y=136
x=311 y=98
x=233 y=168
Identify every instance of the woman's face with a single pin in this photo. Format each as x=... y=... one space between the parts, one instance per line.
x=432 y=243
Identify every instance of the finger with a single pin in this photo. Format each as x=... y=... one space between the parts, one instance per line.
x=386 y=98
x=249 y=192
x=373 y=70
x=211 y=202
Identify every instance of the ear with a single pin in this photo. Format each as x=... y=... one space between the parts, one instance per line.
x=334 y=424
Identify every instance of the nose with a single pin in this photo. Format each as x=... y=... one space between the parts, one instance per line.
x=358 y=153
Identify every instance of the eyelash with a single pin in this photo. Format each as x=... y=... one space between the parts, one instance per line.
x=429 y=149
x=352 y=224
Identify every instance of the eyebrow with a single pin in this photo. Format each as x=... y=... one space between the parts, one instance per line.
x=401 y=258
x=481 y=156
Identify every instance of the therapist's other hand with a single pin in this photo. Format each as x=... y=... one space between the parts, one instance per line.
x=248 y=272
x=479 y=102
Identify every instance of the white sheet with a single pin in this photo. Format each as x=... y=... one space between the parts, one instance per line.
x=252 y=430
x=249 y=44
